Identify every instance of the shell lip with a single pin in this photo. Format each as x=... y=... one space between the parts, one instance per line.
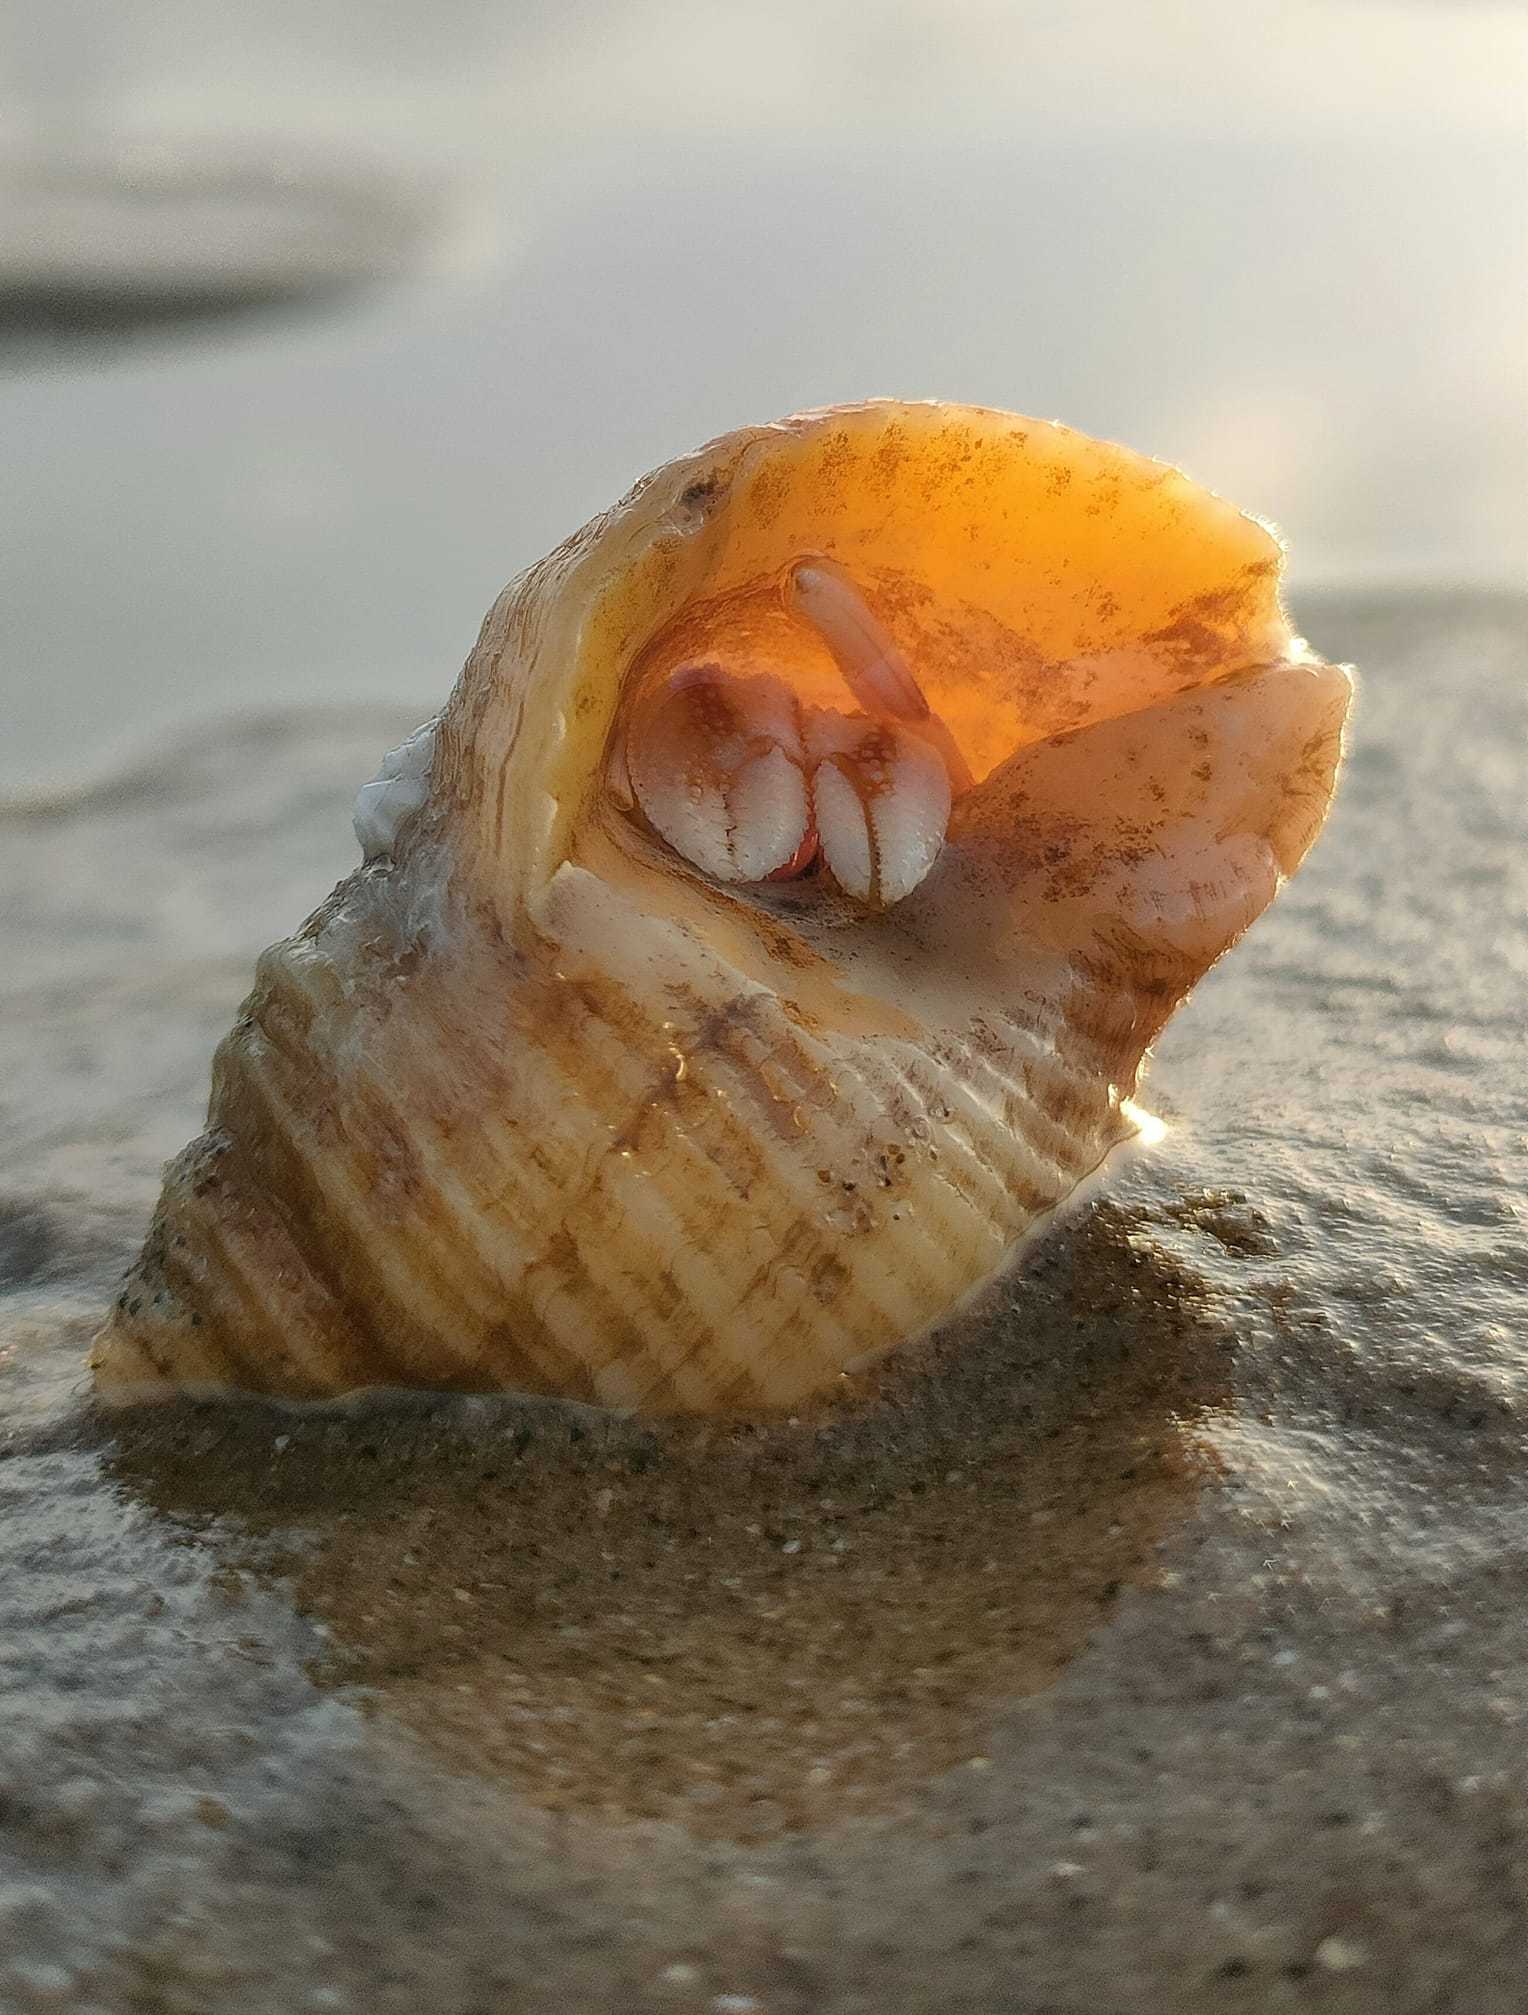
x=602 y=583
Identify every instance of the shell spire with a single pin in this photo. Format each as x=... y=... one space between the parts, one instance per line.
x=765 y=940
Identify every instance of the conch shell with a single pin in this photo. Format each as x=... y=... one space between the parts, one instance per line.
x=765 y=939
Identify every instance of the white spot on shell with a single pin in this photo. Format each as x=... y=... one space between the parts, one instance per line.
x=395 y=793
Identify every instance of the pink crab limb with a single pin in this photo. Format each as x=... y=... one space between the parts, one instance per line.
x=821 y=594
x=801 y=859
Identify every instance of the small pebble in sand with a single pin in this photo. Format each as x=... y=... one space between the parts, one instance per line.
x=1340 y=1955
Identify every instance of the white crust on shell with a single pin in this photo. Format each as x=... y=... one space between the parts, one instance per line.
x=398 y=790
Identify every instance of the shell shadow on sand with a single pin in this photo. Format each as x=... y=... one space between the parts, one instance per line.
x=743 y=1628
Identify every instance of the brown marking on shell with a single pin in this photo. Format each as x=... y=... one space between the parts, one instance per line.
x=534 y=1105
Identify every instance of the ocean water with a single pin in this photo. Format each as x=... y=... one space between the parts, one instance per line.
x=1289 y=259
x=1162 y=1646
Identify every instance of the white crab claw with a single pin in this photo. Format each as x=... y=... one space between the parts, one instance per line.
x=881 y=800
x=716 y=764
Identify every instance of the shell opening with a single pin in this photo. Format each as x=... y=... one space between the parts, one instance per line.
x=753 y=783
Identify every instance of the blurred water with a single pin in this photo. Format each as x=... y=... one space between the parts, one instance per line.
x=1289 y=253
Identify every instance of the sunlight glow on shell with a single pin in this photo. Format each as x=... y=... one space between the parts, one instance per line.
x=765 y=940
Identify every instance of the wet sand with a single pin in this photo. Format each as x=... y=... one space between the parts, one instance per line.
x=1157 y=1642
x=745 y=1629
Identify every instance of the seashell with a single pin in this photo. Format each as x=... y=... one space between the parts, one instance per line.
x=765 y=940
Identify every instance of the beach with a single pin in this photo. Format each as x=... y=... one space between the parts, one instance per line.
x=1157 y=1642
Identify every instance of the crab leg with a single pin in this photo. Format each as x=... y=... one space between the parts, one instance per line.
x=822 y=595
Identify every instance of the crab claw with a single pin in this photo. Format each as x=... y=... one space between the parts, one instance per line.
x=881 y=799
x=749 y=786
x=716 y=764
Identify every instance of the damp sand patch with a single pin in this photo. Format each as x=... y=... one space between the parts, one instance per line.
x=749 y=1629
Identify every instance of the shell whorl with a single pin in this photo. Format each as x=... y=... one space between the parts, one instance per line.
x=529 y=1105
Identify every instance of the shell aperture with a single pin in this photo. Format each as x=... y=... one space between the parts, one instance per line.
x=808 y=854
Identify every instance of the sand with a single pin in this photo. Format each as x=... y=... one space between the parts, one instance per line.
x=1158 y=1643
